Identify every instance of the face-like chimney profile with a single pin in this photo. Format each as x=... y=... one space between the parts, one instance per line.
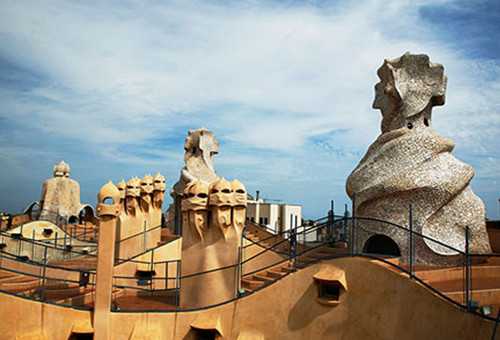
x=411 y=164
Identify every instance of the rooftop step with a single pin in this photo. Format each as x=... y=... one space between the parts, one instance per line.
x=136 y=302
x=86 y=298
x=6 y=274
x=83 y=263
x=17 y=278
x=264 y=278
x=64 y=293
x=17 y=287
x=275 y=273
x=286 y=269
x=251 y=284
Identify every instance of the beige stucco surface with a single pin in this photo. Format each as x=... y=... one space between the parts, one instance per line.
x=167 y=252
x=60 y=195
x=380 y=304
x=258 y=256
x=22 y=317
x=35 y=251
x=411 y=164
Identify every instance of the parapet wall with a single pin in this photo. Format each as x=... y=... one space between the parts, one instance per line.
x=379 y=304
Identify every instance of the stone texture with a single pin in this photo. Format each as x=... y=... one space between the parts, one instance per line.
x=60 y=195
x=131 y=221
x=239 y=204
x=212 y=213
x=147 y=200
x=210 y=243
x=159 y=187
x=141 y=203
x=410 y=163
x=122 y=187
x=200 y=147
x=194 y=212
x=220 y=203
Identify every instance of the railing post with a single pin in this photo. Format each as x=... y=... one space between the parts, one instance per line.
x=166 y=275
x=55 y=241
x=44 y=272
x=151 y=268
x=145 y=237
x=353 y=226
x=345 y=224
x=33 y=245
x=410 y=248
x=304 y=234
x=497 y=320
x=240 y=263
x=333 y=216
x=241 y=268
x=238 y=274
x=293 y=246
x=329 y=229
x=178 y=283
x=467 y=270
x=19 y=246
x=71 y=244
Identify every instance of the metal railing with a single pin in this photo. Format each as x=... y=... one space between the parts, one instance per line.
x=451 y=272
x=46 y=283
x=32 y=248
x=459 y=265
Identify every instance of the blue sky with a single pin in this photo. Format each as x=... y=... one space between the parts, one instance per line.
x=286 y=86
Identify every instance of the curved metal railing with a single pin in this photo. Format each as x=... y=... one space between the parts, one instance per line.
x=352 y=231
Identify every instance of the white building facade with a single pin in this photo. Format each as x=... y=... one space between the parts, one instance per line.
x=277 y=217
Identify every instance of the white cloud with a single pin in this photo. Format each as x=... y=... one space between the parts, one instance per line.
x=262 y=75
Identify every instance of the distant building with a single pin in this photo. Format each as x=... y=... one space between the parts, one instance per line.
x=276 y=216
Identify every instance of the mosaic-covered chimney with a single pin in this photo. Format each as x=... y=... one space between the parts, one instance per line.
x=411 y=164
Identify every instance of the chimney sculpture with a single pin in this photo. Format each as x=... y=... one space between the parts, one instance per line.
x=410 y=164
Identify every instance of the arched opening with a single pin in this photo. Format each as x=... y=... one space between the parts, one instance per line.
x=73 y=220
x=81 y=336
x=108 y=200
x=381 y=245
x=86 y=214
x=204 y=334
x=33 y=210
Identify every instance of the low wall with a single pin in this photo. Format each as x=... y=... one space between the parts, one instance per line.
x=379 y=304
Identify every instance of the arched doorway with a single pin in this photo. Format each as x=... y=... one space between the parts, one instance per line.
x=381 y=245
x=86 y=214
x=33 y=210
